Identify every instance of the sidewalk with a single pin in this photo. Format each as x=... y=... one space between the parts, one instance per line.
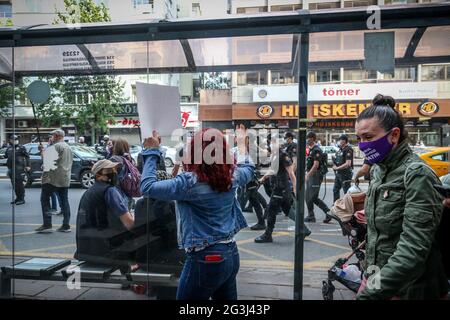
x=253 y=284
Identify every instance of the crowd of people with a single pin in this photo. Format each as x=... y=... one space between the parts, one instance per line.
x=403 y=221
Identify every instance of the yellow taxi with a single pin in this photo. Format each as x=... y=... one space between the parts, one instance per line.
x=437 y=158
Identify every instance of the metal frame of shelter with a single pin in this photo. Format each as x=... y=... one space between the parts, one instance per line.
x=300 y=24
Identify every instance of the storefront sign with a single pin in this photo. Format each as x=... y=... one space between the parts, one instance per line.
x=428 y=109
x=347 y=92
x=264 y=111
x=339 y=110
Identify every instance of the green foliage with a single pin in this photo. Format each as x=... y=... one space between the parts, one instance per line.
x=83 y=11
x=6 y=98
x=86 y=101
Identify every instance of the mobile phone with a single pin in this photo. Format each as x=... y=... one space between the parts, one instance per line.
x=443 y=190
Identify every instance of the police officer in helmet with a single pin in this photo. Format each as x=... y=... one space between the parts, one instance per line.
x=17 y=169
x=343 y=167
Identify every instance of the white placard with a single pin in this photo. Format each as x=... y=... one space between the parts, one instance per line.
x=158 y=108
x=50 y=156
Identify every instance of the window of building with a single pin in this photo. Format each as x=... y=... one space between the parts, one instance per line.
x=196 y=9
x=387 y=2
x=359 y=75
x=5 y=10
x=251 y=78
x=407 y=73
x=435 y=72
x=283 y=77
x=251 y=10
x=324 y=5
x=324 y=76
x=289 y=7
x=137 y=3
x=360 y=3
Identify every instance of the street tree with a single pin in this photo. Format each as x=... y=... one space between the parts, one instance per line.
x=88 y=101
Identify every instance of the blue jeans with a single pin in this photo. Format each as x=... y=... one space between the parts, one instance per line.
x=202 y=280
x=55 y=200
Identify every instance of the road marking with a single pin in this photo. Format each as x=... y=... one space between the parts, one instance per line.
x=17 y=234
x=28 y=224
x=260 y=255
x=2 y=247
x=50 y=248
x=328 y=244
x=330 y=230
x=37 y=254
x=267 y=264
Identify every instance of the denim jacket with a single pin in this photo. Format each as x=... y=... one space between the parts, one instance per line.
x=204 y=216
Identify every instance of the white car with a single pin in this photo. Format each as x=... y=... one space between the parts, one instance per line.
x=331 y=153
x=2 y=157
x=169 y=155
x=135 y=149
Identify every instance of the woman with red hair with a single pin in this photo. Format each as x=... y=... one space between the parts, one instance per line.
x=207 y=211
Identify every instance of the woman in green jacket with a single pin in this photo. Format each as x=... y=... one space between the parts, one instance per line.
x=403 y=212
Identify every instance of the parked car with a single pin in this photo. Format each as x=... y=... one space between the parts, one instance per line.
x=331 y=153
x=169 y=154
x=83 y=160
x=135 y=149
x=438 y=158
x=2 y=157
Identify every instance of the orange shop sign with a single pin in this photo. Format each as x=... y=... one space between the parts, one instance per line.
x=338 y=110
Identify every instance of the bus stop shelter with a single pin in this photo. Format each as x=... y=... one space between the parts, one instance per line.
x=277 y=41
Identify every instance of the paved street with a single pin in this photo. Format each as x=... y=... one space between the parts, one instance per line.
x=270 y=261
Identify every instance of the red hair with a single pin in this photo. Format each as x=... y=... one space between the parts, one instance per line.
x=217 y=175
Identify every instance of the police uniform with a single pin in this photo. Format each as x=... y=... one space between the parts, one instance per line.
x=281 y=197
x=291 y=150
x=343 y=177
x=22 y=161
x=313 y=184
x=254 y=197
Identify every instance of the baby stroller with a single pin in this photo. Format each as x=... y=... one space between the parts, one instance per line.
x=349 y=213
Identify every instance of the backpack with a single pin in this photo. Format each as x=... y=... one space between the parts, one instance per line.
x=131 y=180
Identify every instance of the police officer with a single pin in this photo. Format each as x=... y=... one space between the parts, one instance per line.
x=22 y=166
x=291 y=147
x=257 y=202
x=316 y=170
x=282 y=193
x=343 y=167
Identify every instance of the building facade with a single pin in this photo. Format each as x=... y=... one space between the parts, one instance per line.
x=339 y=85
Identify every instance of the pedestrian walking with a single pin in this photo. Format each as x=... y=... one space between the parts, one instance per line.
x=403 y=212
x=58 y=159
x=208 y=213
x=18 y=164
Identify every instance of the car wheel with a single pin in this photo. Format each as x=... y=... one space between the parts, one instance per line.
x=168 y=162
x=87 y=179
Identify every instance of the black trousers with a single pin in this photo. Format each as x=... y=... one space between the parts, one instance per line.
x=17 y=183
x=255 y=201
x=46 y=192
x=342 y=181
x=312 y=195
x=280 y=199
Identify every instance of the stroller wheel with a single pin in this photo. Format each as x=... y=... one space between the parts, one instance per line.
x=327 y=290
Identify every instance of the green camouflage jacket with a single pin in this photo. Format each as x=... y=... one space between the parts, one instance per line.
x=403 y=212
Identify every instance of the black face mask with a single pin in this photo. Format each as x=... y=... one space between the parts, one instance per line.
x=112 y=178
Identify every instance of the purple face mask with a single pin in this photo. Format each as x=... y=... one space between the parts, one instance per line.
x=376 y=151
